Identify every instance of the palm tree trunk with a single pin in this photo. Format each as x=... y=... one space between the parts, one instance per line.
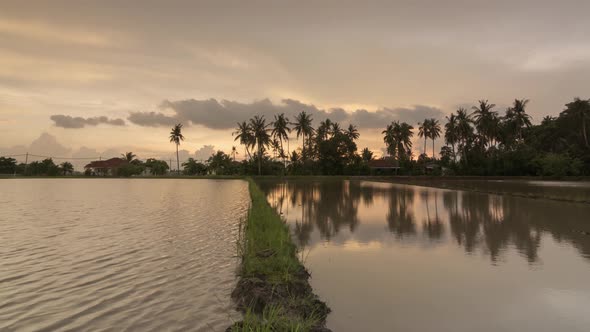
x=177 y=160
x=303 y=146
x=454 y=154
x=283 y=153
x=465 y=151
x=259 y=159
x=584 y=130
x=433 y=149
x=425 y=144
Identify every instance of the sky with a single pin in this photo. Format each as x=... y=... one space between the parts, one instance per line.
x=98 y=78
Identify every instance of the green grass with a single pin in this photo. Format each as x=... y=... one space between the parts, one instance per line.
x=273 y=318
x=273 y=291
x=268 y=249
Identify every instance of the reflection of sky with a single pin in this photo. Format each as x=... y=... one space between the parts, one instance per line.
x=368 y=214
x=495 y=264
x=576 y=184
x=373 y=232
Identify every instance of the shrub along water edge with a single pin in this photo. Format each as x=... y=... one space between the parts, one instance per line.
x=273 y=291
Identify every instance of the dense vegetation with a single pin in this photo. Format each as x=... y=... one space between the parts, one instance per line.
x=485 y=143
x=47 y=167
x=327 y=149
x=480 y=141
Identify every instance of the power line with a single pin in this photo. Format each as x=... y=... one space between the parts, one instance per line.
x=14 y=155
x=67 y=158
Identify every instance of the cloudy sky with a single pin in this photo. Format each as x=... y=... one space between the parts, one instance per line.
x=86 y=78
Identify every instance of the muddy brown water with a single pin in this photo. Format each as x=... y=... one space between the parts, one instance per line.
x=118 y=255
x=393 y=257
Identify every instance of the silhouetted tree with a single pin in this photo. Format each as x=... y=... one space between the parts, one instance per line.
x=303 y=128
x=579 y=109
x=260 y=131
x=176 y=137
x=281 y=132
x=367 y=154
x=66 y=168
x=244 y=134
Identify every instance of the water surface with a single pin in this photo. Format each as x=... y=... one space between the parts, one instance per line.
x=116 y=254
x=574 y=191
x=391 y=257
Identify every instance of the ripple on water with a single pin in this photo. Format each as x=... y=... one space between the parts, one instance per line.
x=138 y=255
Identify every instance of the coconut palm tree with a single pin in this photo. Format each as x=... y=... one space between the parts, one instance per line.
x=389 y=139
x=276 y=147
x=451 y=133
x=324 y=129
x=517 y=116
x=352 y=132
x=234 y=152
x=128 y=156
x=464 y=131
x=336 y=128
x=67 y=168
x=367 y=154
x=547 y=120
x=176 y=137
x=260 y=131
x=580 y=108
x=434 y=132
x=398 y=138
x=281 y=132
x=424 y=131
x=302 y=127
x=244 y=134
x=403 y=134
x=486 y=121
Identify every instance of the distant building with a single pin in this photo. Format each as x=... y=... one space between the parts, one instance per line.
x=105 y=167
x=385 y=165
x=431 y=167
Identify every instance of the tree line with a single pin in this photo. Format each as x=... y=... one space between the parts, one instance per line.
x=47 y=167
x=485 y=142
x=477 y=141
x=328 y=149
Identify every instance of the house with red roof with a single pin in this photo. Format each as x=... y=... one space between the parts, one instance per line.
x=107 y=167
x=384 y=165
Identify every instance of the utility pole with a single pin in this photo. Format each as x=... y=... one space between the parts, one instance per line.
x=26 y=163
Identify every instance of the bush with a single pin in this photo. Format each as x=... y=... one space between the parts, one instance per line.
x=554 y=164
x=156 y=167
x=129 y=170
x=7 y=165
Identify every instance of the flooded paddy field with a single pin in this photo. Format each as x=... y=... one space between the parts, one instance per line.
x=119 y=254
x=394 y=257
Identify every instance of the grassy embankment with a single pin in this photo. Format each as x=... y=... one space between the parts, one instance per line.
x=273 y=291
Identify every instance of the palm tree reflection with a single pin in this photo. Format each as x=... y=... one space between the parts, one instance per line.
x=489 y=224
x=433 y=226
x=400 y=217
